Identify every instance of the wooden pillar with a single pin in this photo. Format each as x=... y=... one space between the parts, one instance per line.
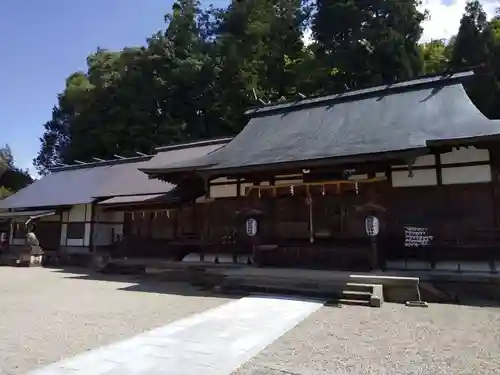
x=495 y=185
x=495 y=191
x=443 y=203
x=310 y=209
x=238 y=187
x=273 y=214
x=206 y=219
x=93 y=208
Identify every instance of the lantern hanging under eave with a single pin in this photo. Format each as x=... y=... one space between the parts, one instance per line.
x=372 y=226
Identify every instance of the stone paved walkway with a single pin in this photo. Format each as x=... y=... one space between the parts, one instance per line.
x=215 y=342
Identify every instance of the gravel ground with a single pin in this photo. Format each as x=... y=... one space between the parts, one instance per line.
x=46 y=315
x=442 y=339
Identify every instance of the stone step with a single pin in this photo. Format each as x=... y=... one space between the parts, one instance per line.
x=357 y=302
x=360 y=287
x=356 y=295
x=339 y=294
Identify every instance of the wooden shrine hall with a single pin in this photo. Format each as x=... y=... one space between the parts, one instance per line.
x=302 y=178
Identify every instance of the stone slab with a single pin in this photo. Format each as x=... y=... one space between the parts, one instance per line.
x=214 y=342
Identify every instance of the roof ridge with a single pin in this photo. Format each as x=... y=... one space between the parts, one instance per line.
x=355 y=94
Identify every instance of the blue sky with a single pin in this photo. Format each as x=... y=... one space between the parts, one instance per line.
x=44 y=41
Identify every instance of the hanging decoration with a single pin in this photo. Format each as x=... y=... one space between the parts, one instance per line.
x=292 y=190
x=323 y=191
x=356 y=186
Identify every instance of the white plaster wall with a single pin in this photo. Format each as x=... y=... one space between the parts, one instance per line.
x=289 y=181
x=421 y=177
x=88 y=232
x=466 y=175
x=102 y=215
x=75 y=242
x=465 y=155
x=223 y=191
x=64 y=231
x=358 y=177
x=15 y=241
x=51 y=218
x=421 y=161
x=103 y=233
x=243 y=188
x=108 y=223
x=79 y=212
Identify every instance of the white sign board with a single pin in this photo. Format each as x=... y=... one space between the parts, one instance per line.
x=251 y=227
x=417 y=237
x=372 y=226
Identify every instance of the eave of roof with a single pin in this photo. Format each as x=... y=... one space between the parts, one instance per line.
x=32 y=214
x=372 y=124
x=86 y=183
x=182 y=153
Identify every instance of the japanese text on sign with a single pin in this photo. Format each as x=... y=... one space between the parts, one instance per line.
x=417 y=237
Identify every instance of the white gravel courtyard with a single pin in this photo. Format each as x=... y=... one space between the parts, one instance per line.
x=46 y=315
x=395 y=339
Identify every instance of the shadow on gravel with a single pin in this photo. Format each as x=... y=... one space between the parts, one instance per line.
x=146 y=283
x=471 y=294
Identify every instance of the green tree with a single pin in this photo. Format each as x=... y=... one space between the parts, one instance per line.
x=436 y=56
x=12 y=178
x=474 y=48
x=367 y=42
x=135 y=99
x=261 y=55
x=470 y=46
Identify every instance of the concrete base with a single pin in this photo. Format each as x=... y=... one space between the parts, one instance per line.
x=416 y=304
x=370 y=288
x=377 y=297
x=23 y=256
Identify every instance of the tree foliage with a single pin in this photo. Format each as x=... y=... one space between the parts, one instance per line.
x=12 y=178
x=195 y=79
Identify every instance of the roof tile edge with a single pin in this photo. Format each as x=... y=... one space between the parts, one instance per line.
x=135 y=159
x=70 y=167
x=206 y=142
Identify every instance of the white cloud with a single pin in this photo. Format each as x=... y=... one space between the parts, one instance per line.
x=445 y=17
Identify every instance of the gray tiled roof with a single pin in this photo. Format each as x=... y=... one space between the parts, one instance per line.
x=378 y=120
x=179 y=153
x=82 y=184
